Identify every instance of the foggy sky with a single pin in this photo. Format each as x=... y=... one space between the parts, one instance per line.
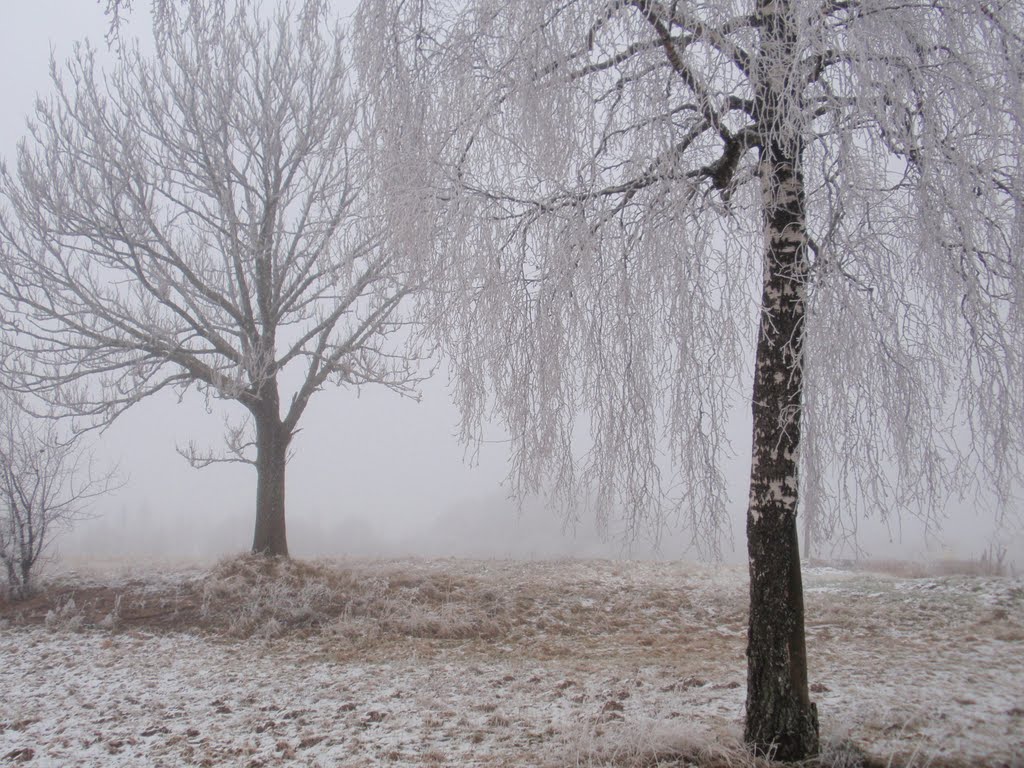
x=373 y=474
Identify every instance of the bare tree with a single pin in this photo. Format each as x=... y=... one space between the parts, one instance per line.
x=47 y=482
x=199 y=220
x=643 y=196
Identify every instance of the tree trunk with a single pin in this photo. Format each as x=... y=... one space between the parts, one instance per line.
x=272 y=439
x=780 y=716
x=12 y=580
x=780 y=720
x=25 y=587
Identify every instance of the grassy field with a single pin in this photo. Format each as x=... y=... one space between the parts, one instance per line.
x=458 y=662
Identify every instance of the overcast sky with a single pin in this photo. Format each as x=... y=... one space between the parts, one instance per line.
x=371 y=474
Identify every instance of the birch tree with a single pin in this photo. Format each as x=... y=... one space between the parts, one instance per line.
x=644 y=196
x=198 y=220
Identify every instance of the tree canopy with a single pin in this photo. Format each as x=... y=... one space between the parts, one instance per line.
x=199 y=219
x=660 y=210
x=597 y=171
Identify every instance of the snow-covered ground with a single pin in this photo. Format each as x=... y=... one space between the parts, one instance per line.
x=454 y=662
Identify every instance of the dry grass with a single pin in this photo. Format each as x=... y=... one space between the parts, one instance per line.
x=551 y=605
x=923 y=569
x=251 y=595
x=573 y=663
x=663 y=749
x=672 y=752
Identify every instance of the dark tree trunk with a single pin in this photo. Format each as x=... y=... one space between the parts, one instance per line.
x=26 y=577
x=780 y=716
x=13 y=584
x=781 y=720
x=272 y=439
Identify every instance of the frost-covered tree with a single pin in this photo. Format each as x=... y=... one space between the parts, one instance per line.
x=645 y=196
x=198 y=219
x=47 y=482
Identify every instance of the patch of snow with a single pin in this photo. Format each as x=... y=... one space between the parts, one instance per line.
x=896 y=665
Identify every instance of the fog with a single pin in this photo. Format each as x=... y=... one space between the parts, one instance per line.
x=373 y=474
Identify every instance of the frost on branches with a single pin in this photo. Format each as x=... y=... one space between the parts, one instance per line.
x=47 y=481
x=633 y=200
x=199 y=220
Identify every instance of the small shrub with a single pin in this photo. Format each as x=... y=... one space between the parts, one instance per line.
x=65 y=616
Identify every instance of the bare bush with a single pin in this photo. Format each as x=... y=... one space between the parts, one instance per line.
x=46 y=483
